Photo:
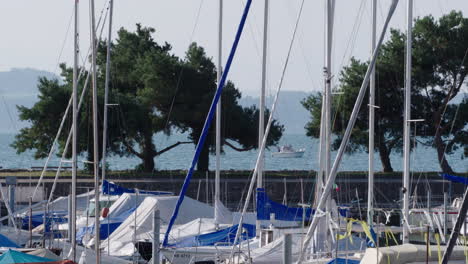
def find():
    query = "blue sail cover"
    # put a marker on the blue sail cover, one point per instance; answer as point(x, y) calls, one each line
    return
point(110, 188)
point(56, 217)
point(266, 207)
point(454, 178)
point(6, 242)
point(343, 261)
point(224, 236)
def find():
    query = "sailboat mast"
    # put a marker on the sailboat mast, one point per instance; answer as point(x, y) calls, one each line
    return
point(327, 78)
point(106, 91)
point(328, 102)
point(407, 118)
point(95, 134)
point(261, 108)
point(218, 113)
point(261, 115)
point(72, 214)
point(370, 193)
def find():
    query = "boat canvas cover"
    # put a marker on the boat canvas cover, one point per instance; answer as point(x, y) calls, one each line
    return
point(37, 219)
point(344, 261)
point(121, 239)
point(106, 228)
point(114, 189)
point(118, 212)
point(126, 202)
point(13, 256)
point(61, 203)
point(266, 207)
point(203, 226)
point(224, 236)
point(58, 210)
point(195, 227)
point(6, 242)
point(45, 253)
point(89, 255)
point(454, 178)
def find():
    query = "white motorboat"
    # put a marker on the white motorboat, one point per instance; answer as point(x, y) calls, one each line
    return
point(287, 151)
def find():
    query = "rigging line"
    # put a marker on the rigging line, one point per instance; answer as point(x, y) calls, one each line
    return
point(307, 63)
point(10, 116)
point(350, 47)
point(179, 80)
point(354, 32)
point(54, 143)
point(254, 31)
point(59, 58)
point(83, 59)
point(208, 120)
point(458, 107)
point(267, 130)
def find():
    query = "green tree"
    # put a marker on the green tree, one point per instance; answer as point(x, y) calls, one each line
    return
point(132, 122)
point(442, 66)
point(154, 90)
point(45, 118)
point(439, 71)
point(190, 102)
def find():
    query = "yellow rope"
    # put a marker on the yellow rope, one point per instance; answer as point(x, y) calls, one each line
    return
point(426, 239)
point(439, 252)
point(386, 243)
point(465, 249)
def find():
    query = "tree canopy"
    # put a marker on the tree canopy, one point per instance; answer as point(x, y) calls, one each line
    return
point(154, 91)
point(438, 74)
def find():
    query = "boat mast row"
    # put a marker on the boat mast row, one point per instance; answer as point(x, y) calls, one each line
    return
point(347, 134)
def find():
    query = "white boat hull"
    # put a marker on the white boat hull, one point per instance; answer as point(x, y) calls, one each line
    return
point(296, 154)
point(192, 255)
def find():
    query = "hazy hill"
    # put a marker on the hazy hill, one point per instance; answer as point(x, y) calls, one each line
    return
point(17, 87)
point(21, 82)
point(289, 112)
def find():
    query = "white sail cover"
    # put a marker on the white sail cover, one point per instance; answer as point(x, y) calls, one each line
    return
point(85, 254)
point(222, 214)
point(120, 242)
point(126, 201)
point(61, 203)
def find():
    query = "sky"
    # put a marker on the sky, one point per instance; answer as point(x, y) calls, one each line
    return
point(38, 34)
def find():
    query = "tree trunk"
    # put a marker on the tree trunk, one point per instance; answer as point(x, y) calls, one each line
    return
point(384, 154)
point(204, 159)
point(148, 163)
point(440, 146)
point(148, 153)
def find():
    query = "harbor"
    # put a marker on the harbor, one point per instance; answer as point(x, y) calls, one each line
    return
point(234, 132)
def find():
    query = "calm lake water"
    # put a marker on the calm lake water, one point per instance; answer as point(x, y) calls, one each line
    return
point(422, 159)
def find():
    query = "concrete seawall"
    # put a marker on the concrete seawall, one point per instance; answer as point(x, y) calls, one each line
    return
point(290, 186)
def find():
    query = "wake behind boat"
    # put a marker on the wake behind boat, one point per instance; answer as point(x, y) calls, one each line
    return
point(287, 151)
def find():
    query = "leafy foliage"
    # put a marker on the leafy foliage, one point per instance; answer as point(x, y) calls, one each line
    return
point(438, 73)
point(155, 91)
